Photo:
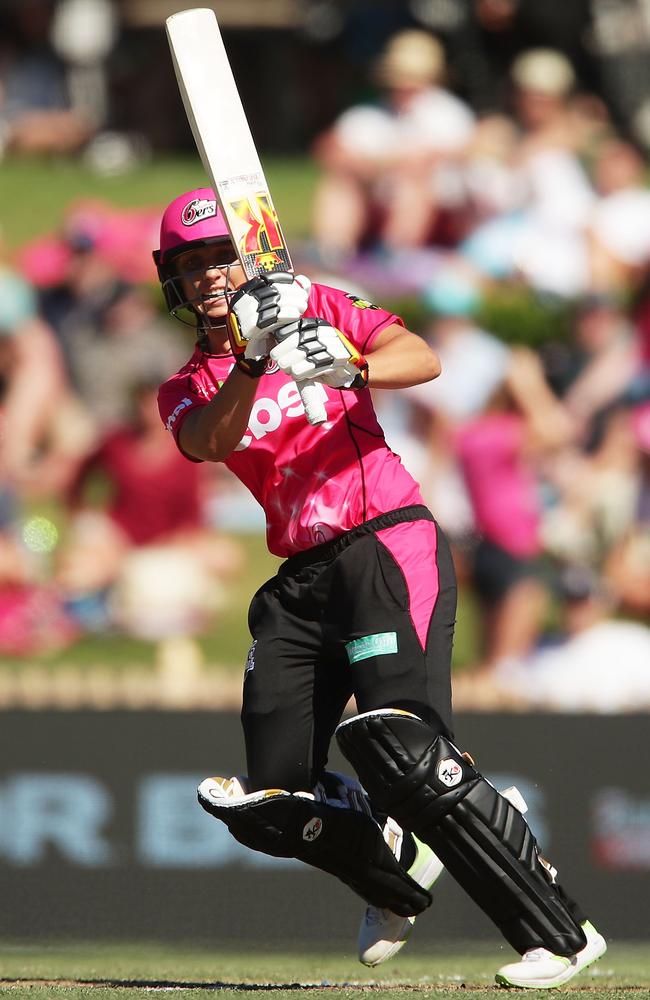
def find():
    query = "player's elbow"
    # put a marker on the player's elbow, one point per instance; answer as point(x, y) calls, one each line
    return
point(424, 358)
point(207, 446)
point(215, 449)
point(433, 365)
point(423, 365)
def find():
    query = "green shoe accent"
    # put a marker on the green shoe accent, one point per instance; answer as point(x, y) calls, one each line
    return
point(427, 867)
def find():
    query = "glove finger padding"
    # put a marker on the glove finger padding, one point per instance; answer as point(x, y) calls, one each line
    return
point(313, 349)
point(263, 304)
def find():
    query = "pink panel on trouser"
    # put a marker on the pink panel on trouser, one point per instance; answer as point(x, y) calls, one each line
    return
point(413, 546)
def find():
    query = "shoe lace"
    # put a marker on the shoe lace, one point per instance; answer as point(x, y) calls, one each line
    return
point(536, 954)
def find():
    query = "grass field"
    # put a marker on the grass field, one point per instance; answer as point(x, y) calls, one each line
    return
point(138, 970)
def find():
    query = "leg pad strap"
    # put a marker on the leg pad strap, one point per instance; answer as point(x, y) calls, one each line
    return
point(422, 780)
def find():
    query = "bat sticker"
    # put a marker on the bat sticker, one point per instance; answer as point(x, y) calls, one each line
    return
point(260, 243)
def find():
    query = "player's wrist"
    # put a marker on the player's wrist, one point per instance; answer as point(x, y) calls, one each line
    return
point(251, 355)
point(362, 377)
point(252, 368)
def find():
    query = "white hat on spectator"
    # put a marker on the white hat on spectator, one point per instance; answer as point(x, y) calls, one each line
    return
point(544, 71)
point(411, 57)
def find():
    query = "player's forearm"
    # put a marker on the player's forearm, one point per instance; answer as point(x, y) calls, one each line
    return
point(406, 361)
point(213, 432)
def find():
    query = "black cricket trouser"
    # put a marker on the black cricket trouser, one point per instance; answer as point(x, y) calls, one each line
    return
point(369, 614)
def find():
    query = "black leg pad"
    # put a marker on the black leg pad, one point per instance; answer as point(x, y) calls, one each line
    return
point(420, 778)
point(343, 842)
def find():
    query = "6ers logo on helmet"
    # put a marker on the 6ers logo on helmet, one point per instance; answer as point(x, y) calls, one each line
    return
point(198, 209)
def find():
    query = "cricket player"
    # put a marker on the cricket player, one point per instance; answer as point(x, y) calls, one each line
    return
point(363, 605)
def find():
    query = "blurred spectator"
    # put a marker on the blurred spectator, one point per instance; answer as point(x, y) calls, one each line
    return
point(142, 559)
point(473, 360)
point(551, 252)
point(386, 169)
point(497, 450)
point(602, 664)
point(493, 186)
point(474, 363)
point(599, 494)
point(33, 619)
point(627, 563)
point(32, 395)
point(119, 340)
point(619, 37)
point(33, 386)
point(36, 115)
point(620, 222)
point(109, 329)
point(496, 31)
point(607, 357)
point(542, 81)
point(96, 240)
point(532, 224)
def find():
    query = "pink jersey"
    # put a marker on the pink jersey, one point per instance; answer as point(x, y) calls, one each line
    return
point(313, 482)
point(501, 485)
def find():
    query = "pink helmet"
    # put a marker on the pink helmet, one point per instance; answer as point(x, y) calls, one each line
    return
point(193, 219)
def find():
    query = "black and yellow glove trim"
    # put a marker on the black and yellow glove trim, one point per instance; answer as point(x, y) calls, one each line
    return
point(360, 380)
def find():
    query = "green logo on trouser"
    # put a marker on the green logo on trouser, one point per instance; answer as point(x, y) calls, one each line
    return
point(372, 645)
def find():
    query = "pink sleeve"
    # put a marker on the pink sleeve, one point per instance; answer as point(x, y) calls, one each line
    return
point(176, 398)
point(361, 321)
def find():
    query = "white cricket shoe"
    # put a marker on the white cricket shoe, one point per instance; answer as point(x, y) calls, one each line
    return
point(382, 933)
point(539, 969)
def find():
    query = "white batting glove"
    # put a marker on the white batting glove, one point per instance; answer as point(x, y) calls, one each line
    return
point(263, 304)
point(312, 349)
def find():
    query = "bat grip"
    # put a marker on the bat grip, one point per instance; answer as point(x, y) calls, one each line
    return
point(312, 400)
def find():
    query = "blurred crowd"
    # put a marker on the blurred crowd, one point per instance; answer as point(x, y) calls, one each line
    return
point(126, 542)
point(533, 449)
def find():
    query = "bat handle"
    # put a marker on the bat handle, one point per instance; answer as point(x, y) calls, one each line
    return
point(311, 393)
point(312, 400)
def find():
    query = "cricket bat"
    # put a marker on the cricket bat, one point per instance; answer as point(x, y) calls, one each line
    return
point(230, 159)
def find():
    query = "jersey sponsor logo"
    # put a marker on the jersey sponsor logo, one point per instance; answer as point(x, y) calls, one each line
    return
point(267, 414)
point(360, 303)
point(449, 772)
point(312, 829)
point(173, 416)
point(380, 644)
point(197, 210)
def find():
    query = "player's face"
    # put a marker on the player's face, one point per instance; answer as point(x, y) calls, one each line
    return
point(206, 274)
